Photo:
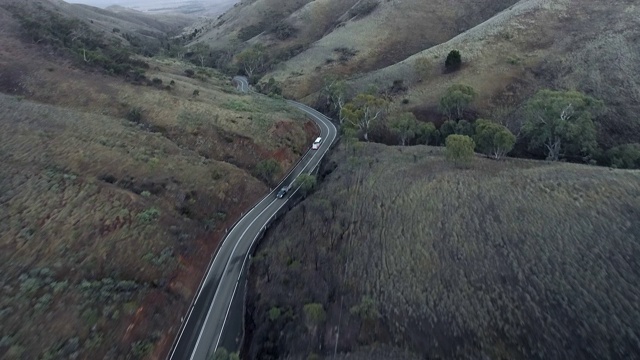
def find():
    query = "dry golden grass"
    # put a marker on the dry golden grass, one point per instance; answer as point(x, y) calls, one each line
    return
point(508, 259)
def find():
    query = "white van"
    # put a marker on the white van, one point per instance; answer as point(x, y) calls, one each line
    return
point(316, 144)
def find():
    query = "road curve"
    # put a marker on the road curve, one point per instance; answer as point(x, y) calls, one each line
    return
point(203, 326)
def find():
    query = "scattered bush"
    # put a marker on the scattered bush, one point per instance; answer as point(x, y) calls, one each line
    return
point(251, 31)
point(135, 114)
point(274, 313)
point(398, 87)
point(306, 183)
point(315, 313)
point(189, 72)
point(196, 92)
point(140, 349)
point(77, 39)
point(266, 170)
point(345, 53)
point(149, 215)
point(283, 30)
point(366, 309)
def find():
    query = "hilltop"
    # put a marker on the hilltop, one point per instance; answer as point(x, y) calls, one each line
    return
point(401, 254)
point(122, 166)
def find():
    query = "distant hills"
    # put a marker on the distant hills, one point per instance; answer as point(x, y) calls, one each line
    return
point(205, 7)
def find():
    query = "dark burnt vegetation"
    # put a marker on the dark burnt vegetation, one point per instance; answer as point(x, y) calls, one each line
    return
point(388, 250)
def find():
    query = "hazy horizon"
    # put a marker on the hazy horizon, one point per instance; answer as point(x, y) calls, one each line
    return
point(146, 4)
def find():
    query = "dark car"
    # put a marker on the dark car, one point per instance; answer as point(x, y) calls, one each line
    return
point(282, 192)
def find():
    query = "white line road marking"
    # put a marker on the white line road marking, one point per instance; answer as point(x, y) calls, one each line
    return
point(225, 270)
point(324, 122)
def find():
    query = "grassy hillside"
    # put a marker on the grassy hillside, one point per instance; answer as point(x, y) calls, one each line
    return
point(510, 50)
point(534, 45)
point(381, 32)
point(115, 192)
point(503, 260)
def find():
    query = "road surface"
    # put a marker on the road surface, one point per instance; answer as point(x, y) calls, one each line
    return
point(203, 328)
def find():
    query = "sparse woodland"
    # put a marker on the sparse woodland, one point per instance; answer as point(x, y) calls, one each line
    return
point(512, 259)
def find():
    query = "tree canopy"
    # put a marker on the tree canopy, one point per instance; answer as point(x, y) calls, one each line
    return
point(625, 156)
point(253, 60)
point(306, 183)
point(561, 123)
point(363, 110)
point(459, 148)
point(493, 139)
point(456, 100)
point(335, 91)
point(453, 61)
point(404, 126)
point(265, 170)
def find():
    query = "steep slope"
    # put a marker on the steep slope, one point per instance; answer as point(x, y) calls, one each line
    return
point(590, 46)
point(501, 260)
point(115, 191)
point(531, 45)
point(381, 32)
point(510, 49)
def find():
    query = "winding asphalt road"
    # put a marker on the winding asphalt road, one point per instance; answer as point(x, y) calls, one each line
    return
point(204, 325)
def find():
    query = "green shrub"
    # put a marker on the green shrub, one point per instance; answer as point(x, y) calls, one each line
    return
point(624, 156)
point(366, 309)
point(140, 349)
point(306, 183)
point(135, 114)
point(463, 127)
point(220, 354)
point(453, 61)
point(493, 139)
point(274, 313)
point(283, 30)
point(459, 148)
point(315, 313)
point(149, 215)
point(266, 170)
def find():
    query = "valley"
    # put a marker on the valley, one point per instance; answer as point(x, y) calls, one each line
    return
point(481, 200)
